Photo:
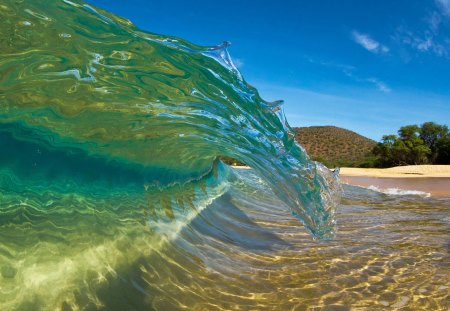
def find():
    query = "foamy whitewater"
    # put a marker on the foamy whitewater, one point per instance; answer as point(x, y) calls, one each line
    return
point(112, 194)
point(398, 191)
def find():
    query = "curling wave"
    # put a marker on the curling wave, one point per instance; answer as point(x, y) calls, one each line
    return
point(108, 130)
point(77, 78)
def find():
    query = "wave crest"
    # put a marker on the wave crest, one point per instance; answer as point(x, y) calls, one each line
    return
point(78, 78)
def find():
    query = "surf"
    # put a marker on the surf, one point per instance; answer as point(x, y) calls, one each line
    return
point(112, 136)
point(78, 77)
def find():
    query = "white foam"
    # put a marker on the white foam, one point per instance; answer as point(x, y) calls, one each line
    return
point(398, 191)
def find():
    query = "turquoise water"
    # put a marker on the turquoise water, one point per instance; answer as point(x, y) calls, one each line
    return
point(90, 102)
point(112, 194)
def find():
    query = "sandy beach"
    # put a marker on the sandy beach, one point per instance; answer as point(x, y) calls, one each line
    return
point(427, 171)
point(409, 171)
point(431, 179)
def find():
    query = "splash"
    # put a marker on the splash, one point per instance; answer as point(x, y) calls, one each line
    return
point(103, 123)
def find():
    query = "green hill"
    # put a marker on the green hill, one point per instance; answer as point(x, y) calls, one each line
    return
point(335, 146)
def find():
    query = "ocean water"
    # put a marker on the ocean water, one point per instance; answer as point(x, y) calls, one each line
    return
point(113, 197)
point(242, 250)
point(425, 186)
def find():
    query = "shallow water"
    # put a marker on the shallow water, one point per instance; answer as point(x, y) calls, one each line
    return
point(389, 252)
point(242, 251)
point(435, 186)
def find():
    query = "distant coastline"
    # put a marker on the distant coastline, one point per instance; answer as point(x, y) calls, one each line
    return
point(427, 143)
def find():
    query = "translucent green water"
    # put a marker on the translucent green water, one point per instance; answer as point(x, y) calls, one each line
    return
point(88, 101)
point(109, 140)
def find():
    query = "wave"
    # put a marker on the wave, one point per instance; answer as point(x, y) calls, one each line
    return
point(398, 191)
point(113, 137)
point(76, 77)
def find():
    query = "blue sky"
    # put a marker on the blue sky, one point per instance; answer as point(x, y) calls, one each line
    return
point(369, 66)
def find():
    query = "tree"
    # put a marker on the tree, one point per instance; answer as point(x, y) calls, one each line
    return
point(429, 143)
point(417, 151)
point(411, 148)
point(443, 147)
point(431, 133)
point(384, 151)
point(407, 148)
point(409, 132)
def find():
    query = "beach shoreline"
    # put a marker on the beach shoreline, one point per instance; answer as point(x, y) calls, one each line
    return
point(409, 171)
point(431, 179)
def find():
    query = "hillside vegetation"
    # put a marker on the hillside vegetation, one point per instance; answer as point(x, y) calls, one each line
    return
point(428, 143)
point(335, 146)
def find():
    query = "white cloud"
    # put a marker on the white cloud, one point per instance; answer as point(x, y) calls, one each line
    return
point(434, 21)
point(430, 37)
point(368, 43)
point(381, 86)
point(350, 71)
point(444, 5)
point(424, 43)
